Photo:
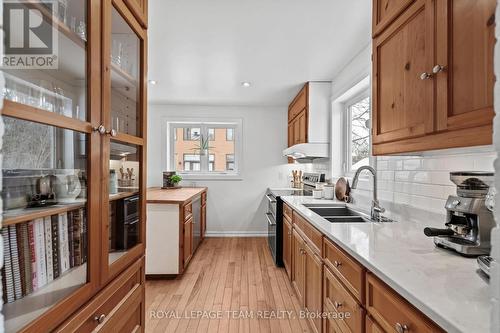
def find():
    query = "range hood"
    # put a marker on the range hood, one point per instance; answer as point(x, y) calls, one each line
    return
point(318, 129)
point(307, 151)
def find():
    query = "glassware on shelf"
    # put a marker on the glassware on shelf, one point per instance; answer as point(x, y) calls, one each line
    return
point(62, 11)
point(117, 52)
point(81, 30)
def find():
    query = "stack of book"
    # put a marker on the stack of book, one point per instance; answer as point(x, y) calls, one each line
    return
point(39, 251)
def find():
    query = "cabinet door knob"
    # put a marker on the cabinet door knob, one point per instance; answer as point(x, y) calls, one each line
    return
point(425, 76)
point(101, 129)
point(112, 132)
point(337, 304)
point(337, 263)
point(401, 328)
point(100, 318)
point(438, 68)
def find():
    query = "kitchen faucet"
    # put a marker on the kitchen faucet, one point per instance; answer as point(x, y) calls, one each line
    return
point(376, 208)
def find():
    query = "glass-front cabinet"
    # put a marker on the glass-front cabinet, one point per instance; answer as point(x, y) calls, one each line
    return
point(123, 97)
point(72, 167)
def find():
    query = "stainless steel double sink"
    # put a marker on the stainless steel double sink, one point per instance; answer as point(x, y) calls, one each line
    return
point(338, 213)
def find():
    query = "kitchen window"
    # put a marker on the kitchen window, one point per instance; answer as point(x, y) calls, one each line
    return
point(357, 125)
point(199, 149)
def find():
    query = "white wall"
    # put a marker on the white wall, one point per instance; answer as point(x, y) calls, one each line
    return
point(235, 207)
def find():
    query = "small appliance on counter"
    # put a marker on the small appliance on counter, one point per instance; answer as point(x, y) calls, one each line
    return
point(469, 220)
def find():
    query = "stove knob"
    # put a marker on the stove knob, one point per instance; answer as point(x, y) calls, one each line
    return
point(455, 202)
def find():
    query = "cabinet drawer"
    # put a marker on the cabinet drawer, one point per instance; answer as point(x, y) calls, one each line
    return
point(391, 311)
point(127, 317)
point(338, 300)
point(187, 210)
point(349, 271)
point(312, 236)
point(287, 212)
point(107, 301)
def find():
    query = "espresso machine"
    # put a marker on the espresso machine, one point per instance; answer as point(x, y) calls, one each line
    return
point(469, 216)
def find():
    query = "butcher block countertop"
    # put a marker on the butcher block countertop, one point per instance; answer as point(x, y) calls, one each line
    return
point(173, 196)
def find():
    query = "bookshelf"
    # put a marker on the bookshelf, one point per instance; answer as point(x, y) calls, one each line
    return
point(56, 174)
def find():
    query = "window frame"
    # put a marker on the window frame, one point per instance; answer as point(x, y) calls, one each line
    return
point(203, 124)
point(347, 124)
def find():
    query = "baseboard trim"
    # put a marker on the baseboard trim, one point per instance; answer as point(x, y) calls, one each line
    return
point(236, 234)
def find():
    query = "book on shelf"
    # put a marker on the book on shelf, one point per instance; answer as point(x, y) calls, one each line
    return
point(47, 221)
point(55, 246)
point(14, 254)
point(31, 239)
point(42, 250)
point(10, 295)
point(41, 262)
point(63, 243)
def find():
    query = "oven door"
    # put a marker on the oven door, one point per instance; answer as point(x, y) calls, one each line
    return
point(271, 234)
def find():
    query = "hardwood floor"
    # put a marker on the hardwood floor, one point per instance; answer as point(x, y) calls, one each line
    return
point(226, 275)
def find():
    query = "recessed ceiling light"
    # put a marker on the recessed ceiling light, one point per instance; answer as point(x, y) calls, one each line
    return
point(245, 84)
point(153, 82)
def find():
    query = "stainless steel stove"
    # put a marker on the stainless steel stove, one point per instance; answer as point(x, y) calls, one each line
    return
point(274, 214)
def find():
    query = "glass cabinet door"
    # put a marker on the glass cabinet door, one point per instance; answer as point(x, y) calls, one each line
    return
point(123, 93)
point(49, 188)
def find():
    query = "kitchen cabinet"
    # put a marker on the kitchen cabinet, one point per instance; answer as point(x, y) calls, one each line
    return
point(313, 287)
point(176, 225)
point(298, 266)
point(327, 279)
point(66, 132)
point(140, 10)
point(188, 242)
point(287, 246)
point(432, 84)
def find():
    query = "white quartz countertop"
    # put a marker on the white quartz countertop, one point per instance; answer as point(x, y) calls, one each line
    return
point(441, 284)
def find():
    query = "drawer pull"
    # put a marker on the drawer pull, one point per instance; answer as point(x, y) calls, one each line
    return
point(100, 318)
point(337, 263)
point(401, 328)
point(337, 305)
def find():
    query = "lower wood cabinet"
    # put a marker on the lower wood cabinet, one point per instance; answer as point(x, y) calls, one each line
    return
point(313, 288)
point(119, 307)
point(188, 242)
point(332, 283)
point(372, 327)
point(298, 266)
point(287, 246)
point(347, 313)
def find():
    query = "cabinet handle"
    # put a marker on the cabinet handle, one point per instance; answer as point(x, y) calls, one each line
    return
point(101, 129)
point(100, 318)
point(438, 68)
point(112, 132)
point(425, 76)
point(401, 328)
point(337, 263)
point(337, 305)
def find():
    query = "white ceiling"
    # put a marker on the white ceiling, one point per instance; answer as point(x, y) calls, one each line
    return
point(200, 51)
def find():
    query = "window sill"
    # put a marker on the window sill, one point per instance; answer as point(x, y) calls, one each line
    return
point(231, 177)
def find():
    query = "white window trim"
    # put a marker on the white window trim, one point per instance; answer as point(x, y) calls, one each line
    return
point(205, 122)
point(347, 160)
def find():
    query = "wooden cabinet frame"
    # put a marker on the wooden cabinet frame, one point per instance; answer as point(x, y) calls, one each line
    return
point(109, 272)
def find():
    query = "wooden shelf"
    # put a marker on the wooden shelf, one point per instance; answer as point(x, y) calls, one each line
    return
point(121, 195)
point(28, 214)
point(21, 312)
point(122, 77)
point(60, 26)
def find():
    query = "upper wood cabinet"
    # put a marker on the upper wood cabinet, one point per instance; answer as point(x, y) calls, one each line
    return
point(140, 10)
point(432, 75)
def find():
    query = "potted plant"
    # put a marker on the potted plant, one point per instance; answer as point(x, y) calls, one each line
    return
point(175, 180)
point(203, 146)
